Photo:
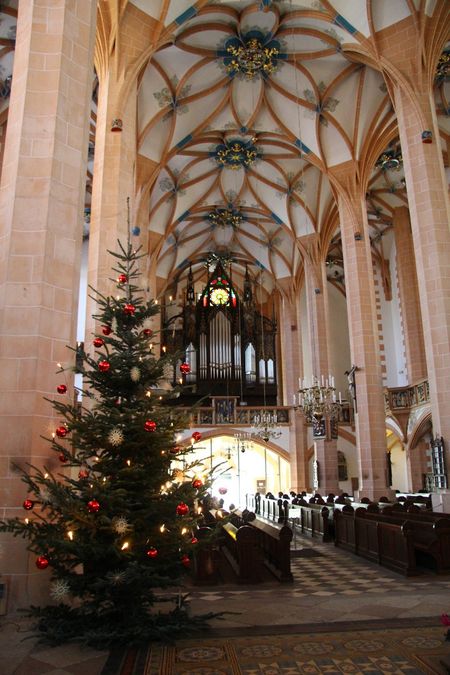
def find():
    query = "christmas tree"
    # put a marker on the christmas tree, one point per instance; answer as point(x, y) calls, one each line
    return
point(117, 524)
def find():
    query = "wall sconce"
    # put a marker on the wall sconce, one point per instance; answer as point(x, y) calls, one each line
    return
point(116, 124)
point(427, 136)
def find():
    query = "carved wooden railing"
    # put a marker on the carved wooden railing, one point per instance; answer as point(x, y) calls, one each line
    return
point(235, 416)
point(404, 398)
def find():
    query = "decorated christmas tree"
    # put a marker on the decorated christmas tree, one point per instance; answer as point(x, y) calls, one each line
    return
point(116, 524)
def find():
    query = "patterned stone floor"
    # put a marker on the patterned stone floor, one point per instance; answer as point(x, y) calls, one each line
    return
point(337, 609)
point(325, 571)
point(403, 651)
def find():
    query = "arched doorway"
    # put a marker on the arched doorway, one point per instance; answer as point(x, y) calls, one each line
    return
point(239, 469)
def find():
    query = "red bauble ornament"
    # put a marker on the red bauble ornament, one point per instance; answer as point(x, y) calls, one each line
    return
point(197, 483)
point(223, 491)
point(42, 562)
point(98, 342)
point(61, 388)
point(61, 432)
point(152, 552)
point(185, 368)
point(63, 458)
point(149, 425)
point(129, 309)
point(28, 504)
point(194, 540)
point(122, 279)
point(147, 332)
point(175, 450)
point(196, 436)
point(93, 506)
point(82, 475)
point(182, 509)
point(186, 561)
point(104, 366)
point(106, 330)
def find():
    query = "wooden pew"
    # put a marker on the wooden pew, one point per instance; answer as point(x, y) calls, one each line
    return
point(386, 543)
point(313, 519)
point(274, 542)
point(241, 548)
point(430, 533)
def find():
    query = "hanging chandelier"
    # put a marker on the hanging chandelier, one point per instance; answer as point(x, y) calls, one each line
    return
point(265, 426)
point(318, 400)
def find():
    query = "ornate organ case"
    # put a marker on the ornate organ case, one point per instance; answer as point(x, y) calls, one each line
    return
point(228, 343)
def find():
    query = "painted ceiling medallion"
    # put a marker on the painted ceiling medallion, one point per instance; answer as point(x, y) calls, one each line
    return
point(390, 160)
point(236, 153)
point(228, 217)
point(443, 67)
point(252, 55)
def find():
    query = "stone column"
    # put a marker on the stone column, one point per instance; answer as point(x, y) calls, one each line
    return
point(291, 367)
point(430, 217)
point(409, 296)
point(41, 225)
point(112, 186)
point(417, 462)
point(319, 335)
point(364, 346)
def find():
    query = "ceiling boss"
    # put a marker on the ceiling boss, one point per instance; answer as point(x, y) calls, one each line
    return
point(252, 55)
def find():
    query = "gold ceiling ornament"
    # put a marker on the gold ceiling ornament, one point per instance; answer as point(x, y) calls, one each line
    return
point(443, 67)
point(252, 59)
point(227, 217)
point(390, 160)
point(235, 153)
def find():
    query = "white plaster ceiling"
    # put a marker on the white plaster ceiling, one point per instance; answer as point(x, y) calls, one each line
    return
point(316, 110)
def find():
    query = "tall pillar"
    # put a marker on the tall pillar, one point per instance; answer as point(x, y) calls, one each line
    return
point(430, 217)
point(409, 296)
point(410, 73)
point(41, 226)
point(291, 369)
point(113, 184)
point(119, 173)
point(319, 335)
point(364, 346)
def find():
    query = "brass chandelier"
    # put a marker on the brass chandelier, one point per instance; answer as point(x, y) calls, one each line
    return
point(318, 400)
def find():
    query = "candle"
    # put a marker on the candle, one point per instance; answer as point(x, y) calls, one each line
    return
point(340, 397)
point(293, 399)
point(299, 382)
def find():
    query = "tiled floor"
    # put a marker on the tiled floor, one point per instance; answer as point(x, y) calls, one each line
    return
point(330, 586)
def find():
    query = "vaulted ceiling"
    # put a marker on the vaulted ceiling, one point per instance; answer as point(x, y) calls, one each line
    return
point(245, 109)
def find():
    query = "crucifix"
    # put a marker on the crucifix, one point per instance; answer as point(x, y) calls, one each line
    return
point(352, 385)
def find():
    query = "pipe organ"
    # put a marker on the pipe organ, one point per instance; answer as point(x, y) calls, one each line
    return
point(228, 343)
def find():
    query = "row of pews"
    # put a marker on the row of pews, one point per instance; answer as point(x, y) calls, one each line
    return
point(251, 547)
point(405, 536)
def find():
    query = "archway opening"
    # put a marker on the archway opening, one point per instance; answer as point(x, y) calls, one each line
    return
point(239, 468)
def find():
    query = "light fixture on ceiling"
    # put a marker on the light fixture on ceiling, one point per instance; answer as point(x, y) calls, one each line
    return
point(317, 398)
